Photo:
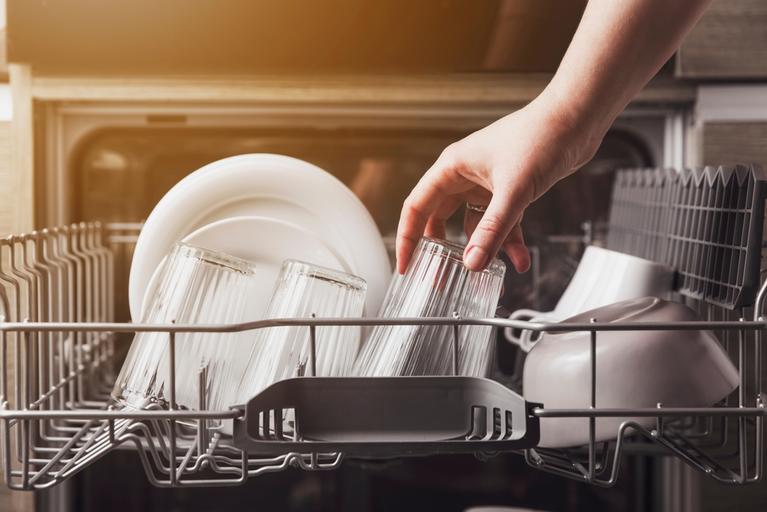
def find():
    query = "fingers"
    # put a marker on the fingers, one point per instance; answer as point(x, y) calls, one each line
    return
point(514, 245)
point(438, 194)
point(435, 226)
point(431, 195)
point(471, 218)
point(503, 213)
point(416, 210)
point(435, 229)
point(470, 221)
point(515, 248)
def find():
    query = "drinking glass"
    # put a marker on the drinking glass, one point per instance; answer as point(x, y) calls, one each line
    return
point(304, 290)
point(435, 284)
point(196, 286)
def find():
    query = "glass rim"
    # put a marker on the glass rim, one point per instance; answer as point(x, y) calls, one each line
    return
point(454, 252)
point(324, 273)
point(218, 258)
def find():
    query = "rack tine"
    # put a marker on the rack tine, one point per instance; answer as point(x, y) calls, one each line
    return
point(456, 343)
point(202, 425)
point(58, 296)
point(313, 349)
point(592, 401)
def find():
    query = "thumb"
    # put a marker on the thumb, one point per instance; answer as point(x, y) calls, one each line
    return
point(501, 216)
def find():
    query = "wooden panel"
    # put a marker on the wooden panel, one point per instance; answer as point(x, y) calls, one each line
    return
point(16, 206)
point(125, 37)
point(444, 90)
point(242, 36)
point(730, 142)
point(730, 41)
point(19, 192)
point(15, 501)
point(3, 59)
point(7, 180)
point(10, 500)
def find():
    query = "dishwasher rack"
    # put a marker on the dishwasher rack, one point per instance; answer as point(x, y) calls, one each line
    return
point(57, 349)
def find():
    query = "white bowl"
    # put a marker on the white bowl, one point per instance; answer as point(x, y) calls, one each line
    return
point(603, 277)
point(635, 369)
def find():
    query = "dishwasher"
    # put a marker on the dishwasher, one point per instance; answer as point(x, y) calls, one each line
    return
point(57, 354)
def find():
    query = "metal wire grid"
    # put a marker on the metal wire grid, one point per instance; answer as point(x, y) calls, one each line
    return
point(705, 223)
point(700, 436)
point(639, 212)
point(724, 442)
point(54, 383)
point(56, 418)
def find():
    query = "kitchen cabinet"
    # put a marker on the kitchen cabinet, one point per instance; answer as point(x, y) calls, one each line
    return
point(730, 124)
point(17, 175)
point(728, 141)
point(12, 501)
point(15, 215)
point(6, 178)
point(729, 42)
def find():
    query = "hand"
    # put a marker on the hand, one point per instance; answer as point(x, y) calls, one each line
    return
point(503, 167)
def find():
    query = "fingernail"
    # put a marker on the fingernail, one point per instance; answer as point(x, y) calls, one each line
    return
point(475, 258)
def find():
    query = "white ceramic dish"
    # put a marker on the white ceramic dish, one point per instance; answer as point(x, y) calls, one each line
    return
point(603, 277)
point(265, 242)
point(635, 369)
point(266, 185)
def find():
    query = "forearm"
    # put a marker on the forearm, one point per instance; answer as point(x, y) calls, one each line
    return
point(618, 47)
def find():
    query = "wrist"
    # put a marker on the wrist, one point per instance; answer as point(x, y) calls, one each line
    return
point(580, 128)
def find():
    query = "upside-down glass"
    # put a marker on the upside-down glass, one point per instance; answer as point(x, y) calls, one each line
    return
point(304, 290)
point(196, 286)
point(435, 284)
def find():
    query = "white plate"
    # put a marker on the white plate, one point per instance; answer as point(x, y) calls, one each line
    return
point(267, 243)
point(266, 185)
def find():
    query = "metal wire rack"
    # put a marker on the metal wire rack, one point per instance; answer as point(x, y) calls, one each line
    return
point(57, 347)
point(706, 223)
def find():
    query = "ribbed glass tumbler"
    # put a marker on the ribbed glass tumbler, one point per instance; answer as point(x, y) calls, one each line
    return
point(196, 286)
point(304, 290)
point(435, 284)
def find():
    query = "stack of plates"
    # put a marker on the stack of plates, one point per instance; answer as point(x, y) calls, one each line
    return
point(263, 208)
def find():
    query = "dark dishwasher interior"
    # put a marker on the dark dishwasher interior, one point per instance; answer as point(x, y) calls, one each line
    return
point(140, 165)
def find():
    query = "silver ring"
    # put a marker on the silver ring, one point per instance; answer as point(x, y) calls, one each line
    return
point(476, 208)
